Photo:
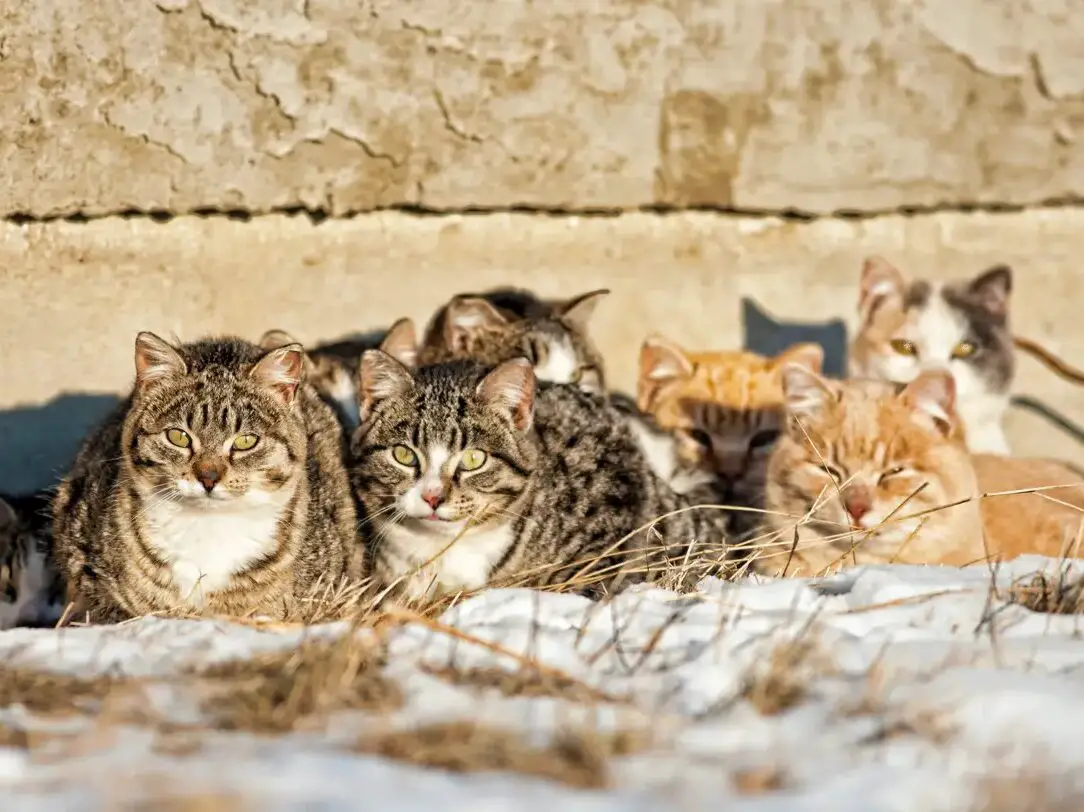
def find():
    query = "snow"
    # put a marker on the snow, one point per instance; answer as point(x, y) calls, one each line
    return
point(920, 684)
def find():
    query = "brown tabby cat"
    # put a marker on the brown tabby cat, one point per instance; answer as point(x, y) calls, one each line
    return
point(870, 474)
point(507, 323)
point(332, 367)
point(218, 485)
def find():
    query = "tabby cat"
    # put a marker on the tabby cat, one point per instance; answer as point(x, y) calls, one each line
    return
point(332, 367)
point(218, 485)
point(31, 588)
point(507, 323)
point(475, 476)
point(963, 326)
point(871, 473)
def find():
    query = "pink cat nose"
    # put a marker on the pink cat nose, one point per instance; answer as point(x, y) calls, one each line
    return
point(857, 505)
point(433, 499)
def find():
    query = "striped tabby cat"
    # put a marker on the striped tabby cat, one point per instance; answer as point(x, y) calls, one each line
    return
point(31, 587)
point(217, 485)
point(473, 477)
point(507, 323)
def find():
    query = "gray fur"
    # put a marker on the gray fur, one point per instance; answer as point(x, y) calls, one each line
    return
point(564, 481)
point(979, 303)
point(32, 590)
point(214, 390)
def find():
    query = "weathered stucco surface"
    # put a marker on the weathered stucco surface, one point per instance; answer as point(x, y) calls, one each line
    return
point(82, 291)
point(817, 105)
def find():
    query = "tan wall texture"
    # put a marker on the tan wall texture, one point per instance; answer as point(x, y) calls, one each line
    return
point(344, 106)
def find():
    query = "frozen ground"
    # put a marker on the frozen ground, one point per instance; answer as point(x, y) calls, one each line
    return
point(908, 689)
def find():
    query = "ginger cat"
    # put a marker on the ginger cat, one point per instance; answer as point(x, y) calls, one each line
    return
point(874, 475)
point(724, 409)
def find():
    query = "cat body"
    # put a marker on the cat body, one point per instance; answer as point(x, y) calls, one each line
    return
point(507, 323)
point(217, 486)
point(32, 590)
point(475, 476)
point(908, 326)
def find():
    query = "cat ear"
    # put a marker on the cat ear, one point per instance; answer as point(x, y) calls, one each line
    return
point(466, 315)
point(510, 389)
point(992, 288)
point(380, 376)
point(578, 310)
point(880, 280)
point(156, 360)
point(810, 356)
point(273, 339)
point(661, 361)
point(933, 395)
point(281, 371)
point(7, 514)
point(806, 394)
point(401, 343)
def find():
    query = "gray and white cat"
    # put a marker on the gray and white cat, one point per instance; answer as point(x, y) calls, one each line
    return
point(909, 326)
point(31, 587)
point(473, 476)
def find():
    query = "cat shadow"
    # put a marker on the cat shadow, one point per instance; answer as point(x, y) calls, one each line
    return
point(38, 443)
point(766, 335)
point(1049, 414)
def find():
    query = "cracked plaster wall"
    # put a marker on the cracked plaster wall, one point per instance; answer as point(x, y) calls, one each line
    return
point(817, 105)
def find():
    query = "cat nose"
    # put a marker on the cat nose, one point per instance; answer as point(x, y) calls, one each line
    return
point(857, 504)
point(208, 476)
point(433, 499)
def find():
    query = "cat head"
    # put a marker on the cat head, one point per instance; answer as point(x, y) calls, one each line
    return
point(31, 589)
point(724, 408)
point(857, 453)
point(906, 326)
point(444, 445)
point(216, 422)
point(504, 324)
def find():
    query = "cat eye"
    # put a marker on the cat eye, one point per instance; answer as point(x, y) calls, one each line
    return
point(965, 349)
point(904, 347)
point(403, 455)
point(577, 376)
point(764, 438)
point(699, 436)
point(179, 438)
point(832, 471)
point(890, 473)
point(243, 442)
point(472, 459)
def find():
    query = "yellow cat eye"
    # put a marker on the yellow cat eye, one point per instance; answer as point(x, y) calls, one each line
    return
point(179, 438)
point(904, 347)
point(472, 459)
point(243, 442)
point(403, 455)
point(577, 376)
point(965, 349)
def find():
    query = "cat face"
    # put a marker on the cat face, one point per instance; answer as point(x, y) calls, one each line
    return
point(725, 408)
point(858, 455)
point(910, 326)
point(31, 589)
point(443, 446)
point(214, 424)
point(505, 324)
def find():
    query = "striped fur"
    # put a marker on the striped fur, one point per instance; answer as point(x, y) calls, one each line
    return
point(137, 532)
point(564, 481)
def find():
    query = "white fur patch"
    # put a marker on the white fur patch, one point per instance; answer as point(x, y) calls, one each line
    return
point(411, 502)
point(561, 363)
point(344, 393)
point(206, 546)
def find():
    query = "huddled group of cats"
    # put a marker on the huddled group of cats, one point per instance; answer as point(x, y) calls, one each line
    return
point(240, 478)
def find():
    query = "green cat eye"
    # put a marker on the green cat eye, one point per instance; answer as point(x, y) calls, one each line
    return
point(904, 347)
point(403, 455)
point(472, 459)
point(179, 438)
point(965, 349)
point(243, 442)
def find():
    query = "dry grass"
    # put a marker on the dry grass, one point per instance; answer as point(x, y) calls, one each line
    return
point(1062, 594)
point(1027, 791)
point(162, 800)
point(279, 692)
point(525, 681)
point(55, 694)
point(759, 780)
point(782, 681)
point(577, 758)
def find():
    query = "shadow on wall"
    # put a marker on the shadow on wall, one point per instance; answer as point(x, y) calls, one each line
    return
point(38, 443)
point(1050, 415)
point(767, 335)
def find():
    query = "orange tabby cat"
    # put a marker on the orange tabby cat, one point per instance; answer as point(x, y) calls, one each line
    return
point(725, 409)
point(869, 474)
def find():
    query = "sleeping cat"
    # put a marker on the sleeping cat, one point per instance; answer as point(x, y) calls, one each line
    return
point(724, 408)
point(474, 476)
point(332, 367)
point(963, 326)
point(217, 485)
point(31, 587)
point(507, 323)
point(873, 474)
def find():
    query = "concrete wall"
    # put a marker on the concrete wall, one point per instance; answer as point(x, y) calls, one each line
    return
point(751, 107)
